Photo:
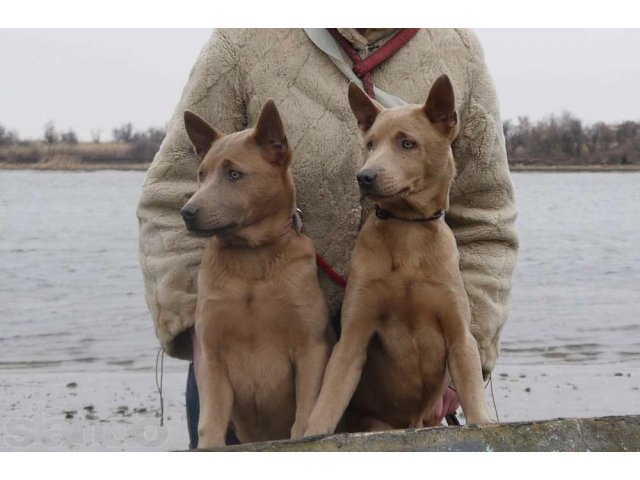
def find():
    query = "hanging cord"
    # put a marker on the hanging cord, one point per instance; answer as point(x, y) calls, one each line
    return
point(452, 419)
point(160, 360)
point(493, 398)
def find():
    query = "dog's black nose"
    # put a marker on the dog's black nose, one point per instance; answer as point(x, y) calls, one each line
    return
point(188, 213)
point(366, 177)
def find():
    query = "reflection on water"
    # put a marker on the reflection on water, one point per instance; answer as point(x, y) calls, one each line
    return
point(71, 293)
point(576, 295)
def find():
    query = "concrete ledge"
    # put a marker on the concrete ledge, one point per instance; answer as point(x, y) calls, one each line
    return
point(564, 435)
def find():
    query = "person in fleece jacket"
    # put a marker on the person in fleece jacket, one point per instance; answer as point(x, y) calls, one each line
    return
point(306, 73)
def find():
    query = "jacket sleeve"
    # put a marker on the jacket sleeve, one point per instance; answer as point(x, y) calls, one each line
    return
point(482, 211)
point(169, 257)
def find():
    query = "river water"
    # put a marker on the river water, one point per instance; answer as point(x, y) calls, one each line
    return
point(72, 302)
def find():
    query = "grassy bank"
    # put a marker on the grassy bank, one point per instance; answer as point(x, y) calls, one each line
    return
point(75, 166)
point(81, 156)
point(136, 156)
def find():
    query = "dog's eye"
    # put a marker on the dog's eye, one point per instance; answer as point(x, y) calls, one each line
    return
point(408, 144)
point(233, 175)
point(369, 144)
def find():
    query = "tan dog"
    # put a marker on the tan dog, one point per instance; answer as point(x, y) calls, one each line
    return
point(406, 315)
point(261, 318)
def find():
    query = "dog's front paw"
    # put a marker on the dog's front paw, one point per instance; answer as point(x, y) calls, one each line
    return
point(297, 431)
point(209, 445)
point(479, 420)
point(209, 442)
point(316, 429)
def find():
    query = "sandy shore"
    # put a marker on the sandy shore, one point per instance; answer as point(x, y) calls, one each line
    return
point(91, 412)
point(112, 411)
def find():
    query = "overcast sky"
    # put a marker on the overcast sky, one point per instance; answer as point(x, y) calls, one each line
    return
point(98, 79)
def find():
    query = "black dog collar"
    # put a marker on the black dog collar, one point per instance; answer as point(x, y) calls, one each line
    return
point(385, 214)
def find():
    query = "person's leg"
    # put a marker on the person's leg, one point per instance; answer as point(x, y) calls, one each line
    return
point(193, 408)
point(335, 323)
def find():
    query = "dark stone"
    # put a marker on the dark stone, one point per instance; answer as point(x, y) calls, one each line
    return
point(614, 434)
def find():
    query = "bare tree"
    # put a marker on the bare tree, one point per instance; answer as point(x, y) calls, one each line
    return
point(124, 133)
point(156, 135)
point(564, 140)
point(50, 134)
point(12, 137)
point(69, 137)
point(147, 143)
point(8, 137)
point(95, 135)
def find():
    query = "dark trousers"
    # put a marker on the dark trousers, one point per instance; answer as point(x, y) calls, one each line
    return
point(193, 402)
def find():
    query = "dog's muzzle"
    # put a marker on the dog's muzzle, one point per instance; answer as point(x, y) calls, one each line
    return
point(366, 177)
point(189, 214)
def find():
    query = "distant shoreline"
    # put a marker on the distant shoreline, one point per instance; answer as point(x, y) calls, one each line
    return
point(574, 168)
point(80, 156)
point(78, 167)
point(134, 166)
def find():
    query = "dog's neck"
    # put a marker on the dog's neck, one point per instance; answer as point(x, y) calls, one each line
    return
point(383, 214)
point(416, 244)
point(254, 251)
point(412, 244)
point(263, 233)
point(419, 205)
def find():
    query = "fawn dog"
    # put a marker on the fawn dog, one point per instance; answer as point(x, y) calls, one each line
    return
point(406, 315)
point(261, 318)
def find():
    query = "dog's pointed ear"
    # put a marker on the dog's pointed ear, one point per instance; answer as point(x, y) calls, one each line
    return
point(269, 131)
point(362, 107)
point(200, 133)
point(441, 106)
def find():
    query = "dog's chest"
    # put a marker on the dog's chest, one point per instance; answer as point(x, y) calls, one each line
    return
point(405, 367)
point(250, 315)
point(406, 315)
point(254, 329)
point(406, 355)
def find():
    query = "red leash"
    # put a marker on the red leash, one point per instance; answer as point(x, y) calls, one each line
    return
point(362, 67)
point(331, 273)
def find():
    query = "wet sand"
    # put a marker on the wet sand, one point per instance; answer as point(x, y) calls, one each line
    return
point(91, 412)
point(121, 411)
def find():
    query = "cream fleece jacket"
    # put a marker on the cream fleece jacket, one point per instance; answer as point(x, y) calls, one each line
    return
point(239, 70)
